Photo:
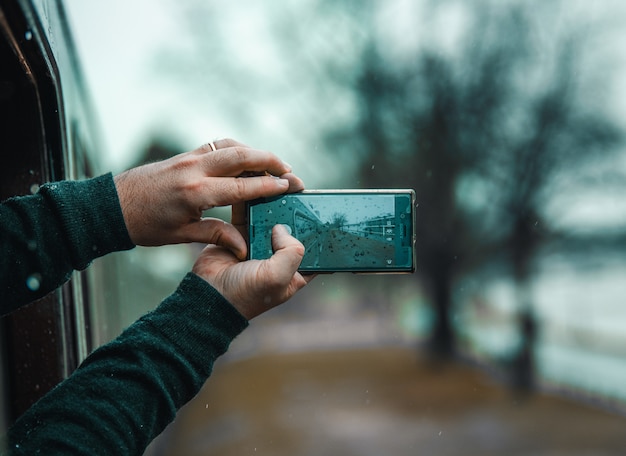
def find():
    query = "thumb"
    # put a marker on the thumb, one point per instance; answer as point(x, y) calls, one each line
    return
point(288, 251)
point(218, 232)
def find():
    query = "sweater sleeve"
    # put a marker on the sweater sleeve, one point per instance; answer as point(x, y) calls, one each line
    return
point(127, 391)
point(44, 237)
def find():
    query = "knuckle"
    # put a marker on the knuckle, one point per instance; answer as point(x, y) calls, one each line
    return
point(190, 188)
point(299, 249)
point(266, 185)
point(204, 148)
point(217, 234)
point(241, 187)
point(241, 154)
point(185, 161)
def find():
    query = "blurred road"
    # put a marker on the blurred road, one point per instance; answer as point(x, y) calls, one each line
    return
point(379, 402)
point(332, 247)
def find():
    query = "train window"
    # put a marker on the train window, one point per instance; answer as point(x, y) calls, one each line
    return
point(39, 341)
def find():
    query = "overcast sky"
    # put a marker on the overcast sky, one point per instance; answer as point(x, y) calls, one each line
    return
point(119, 42)
point(116, 41)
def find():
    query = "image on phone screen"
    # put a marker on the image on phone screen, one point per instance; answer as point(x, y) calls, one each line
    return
point(357, 231)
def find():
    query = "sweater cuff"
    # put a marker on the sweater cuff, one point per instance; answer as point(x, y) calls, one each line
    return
point(199, 321)
point(92, 217)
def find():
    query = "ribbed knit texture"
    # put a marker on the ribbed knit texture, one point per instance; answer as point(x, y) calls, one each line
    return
point(127, 391)
point(44, 237)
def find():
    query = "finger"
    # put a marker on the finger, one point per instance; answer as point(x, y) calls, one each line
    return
point(218, 232)
point(295, 183)
point(228, 142)
point(239, 216)
point(288, 253)
point(219, 144)
point(231, 190)
point(308, 277)
point(233, 161)
point(213, 259)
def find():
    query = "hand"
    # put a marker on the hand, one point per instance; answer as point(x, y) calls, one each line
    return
point(162, 202)
point(255, 286)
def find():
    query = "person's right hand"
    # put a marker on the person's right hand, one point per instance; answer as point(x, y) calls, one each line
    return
point(162, 202)
point(255, 286)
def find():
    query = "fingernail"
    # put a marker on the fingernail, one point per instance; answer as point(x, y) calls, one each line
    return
point(283, 182)
point(287, 228)
point(287, 165)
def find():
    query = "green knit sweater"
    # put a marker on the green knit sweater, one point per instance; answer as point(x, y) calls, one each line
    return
point(126, 392)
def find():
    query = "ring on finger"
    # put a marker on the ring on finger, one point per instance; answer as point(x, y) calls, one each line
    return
point(212, 146)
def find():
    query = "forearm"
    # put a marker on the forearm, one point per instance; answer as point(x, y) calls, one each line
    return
point(44, 237)
point(126, 392)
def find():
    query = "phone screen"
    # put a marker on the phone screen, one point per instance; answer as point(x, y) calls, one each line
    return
point(342, 230)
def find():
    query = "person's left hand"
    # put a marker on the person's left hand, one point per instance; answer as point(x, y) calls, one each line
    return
point(162, 202)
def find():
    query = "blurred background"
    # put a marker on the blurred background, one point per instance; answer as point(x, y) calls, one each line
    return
point(506, 117)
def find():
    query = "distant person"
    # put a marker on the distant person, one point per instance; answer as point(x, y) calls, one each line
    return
point(126, 392)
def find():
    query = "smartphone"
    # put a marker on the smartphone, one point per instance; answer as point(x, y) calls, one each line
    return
point(342, 230)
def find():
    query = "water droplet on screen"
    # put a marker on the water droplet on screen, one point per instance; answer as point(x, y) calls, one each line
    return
point(33, 282)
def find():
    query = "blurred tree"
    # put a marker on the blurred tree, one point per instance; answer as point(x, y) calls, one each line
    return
point(479, 106)
point(479, 133)
point(159, 147)
point(338, 220)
